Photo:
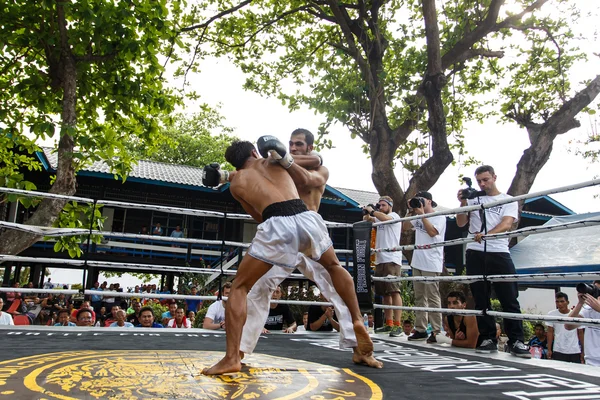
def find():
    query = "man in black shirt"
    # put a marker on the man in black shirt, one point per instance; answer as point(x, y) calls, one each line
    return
point(322, 318)
point(278, 315)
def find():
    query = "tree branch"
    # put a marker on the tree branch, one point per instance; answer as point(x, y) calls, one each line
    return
point(216, 17)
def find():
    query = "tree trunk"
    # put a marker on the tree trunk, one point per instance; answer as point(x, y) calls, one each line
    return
point(14, 242)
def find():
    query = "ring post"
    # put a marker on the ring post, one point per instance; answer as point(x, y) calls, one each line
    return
point(361, 251)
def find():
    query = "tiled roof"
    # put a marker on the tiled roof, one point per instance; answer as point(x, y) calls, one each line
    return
point(362, 197)
point(151, 170)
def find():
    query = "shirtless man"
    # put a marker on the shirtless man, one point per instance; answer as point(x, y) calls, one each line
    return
point(268, 193)
point(310, 178)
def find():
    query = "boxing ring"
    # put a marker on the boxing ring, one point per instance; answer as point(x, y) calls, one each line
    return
point(39, 362)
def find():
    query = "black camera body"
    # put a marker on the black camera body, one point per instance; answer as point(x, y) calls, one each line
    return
point(373, 206)
point(592, 290)
point(469, 193)
point(416, 202)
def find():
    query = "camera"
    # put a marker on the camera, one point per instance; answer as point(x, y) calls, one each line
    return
point(416, 202)
point(592, 290)
point(470, 193)
point(373, 206)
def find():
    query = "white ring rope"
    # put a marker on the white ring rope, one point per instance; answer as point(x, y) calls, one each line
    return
point(125, 266)
point(465, 209)
point(554, 276)
point(526, 317)
point(531, 230)
point(65, 232)
point(167, 209)
point(28, 290)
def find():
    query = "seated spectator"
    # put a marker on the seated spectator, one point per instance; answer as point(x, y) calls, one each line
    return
point(5, 318)
point(61, 303)
point(180, 321)
point(538, 344)
point(64, 319)
point(279, 316)
point(322, 318)
point(407, 327)
point(147, 319)
point(302, 328)
point(462, 329)
point(112, 317)
point(167, 315)
point(133, 317)
point(120, 322)
point(47, 308)
point(84, 317)
point(215, 315)
point(191, 317)
point(84, 305)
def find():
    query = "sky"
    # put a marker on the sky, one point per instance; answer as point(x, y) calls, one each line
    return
point(499, 145)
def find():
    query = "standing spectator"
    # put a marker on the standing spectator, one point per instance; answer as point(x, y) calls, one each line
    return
point(563, 344)
point(147, 319)
point(588, 307)
point(134, 316)
point(426, 262)
point(96, 298)
point(144, 230)
point(5, 318)
point(121, 322)
point(215, 315)
point(387, 263)
point(192, 304)
point(180, 321)
point(158, 230)
point(492, 258)
point(108, 301)
point(538, 344)
point(322, 318)
point(279, 315)
point(48, 284)
point(63, 319)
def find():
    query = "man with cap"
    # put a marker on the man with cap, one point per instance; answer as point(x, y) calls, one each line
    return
point(426, 262)
point(387, 263)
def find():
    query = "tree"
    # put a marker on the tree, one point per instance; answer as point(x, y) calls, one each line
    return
point(364, 64)
point(87, 73)
point(192, 140)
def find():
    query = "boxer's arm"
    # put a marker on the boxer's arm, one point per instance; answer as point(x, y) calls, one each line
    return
point(308, 161)
point(308, 178)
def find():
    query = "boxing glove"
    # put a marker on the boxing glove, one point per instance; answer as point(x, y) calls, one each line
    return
point(271, 146)
point(212, 175)
point(316, 153)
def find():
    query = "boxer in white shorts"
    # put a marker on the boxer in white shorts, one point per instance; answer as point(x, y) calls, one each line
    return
point(268, 193)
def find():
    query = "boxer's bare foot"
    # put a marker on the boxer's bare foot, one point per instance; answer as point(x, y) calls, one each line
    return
point(224, 366)
point(370, 361)
point(365, 345)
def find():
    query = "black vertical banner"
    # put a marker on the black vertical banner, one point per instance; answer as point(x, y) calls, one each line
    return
point(362, 264)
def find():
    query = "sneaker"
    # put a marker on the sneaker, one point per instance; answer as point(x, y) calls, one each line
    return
point(431, 338)
point(418, 336)
point(487, 346)
point(396, 331)
point(520, 349)
point(384, 329)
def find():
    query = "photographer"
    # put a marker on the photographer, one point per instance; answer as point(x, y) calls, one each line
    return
point(429, 262)
point(588, 307)
point(492, 258)
point(387, 263)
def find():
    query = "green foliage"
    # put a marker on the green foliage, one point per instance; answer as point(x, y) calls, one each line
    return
point(78, 216)
point(158, 310)
point(106, 54)
point(295, 293)
point(362, 64)
point(195, 140)
point(528, 326)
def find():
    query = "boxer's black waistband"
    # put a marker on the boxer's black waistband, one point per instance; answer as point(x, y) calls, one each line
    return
point(284, 209)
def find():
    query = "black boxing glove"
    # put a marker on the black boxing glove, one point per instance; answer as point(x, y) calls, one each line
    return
point(212, 175)
point(271, 146)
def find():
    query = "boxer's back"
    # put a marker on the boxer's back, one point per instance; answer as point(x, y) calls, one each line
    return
point(261, 183)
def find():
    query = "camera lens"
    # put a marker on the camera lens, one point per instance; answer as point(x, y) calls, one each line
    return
point(415, 202)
